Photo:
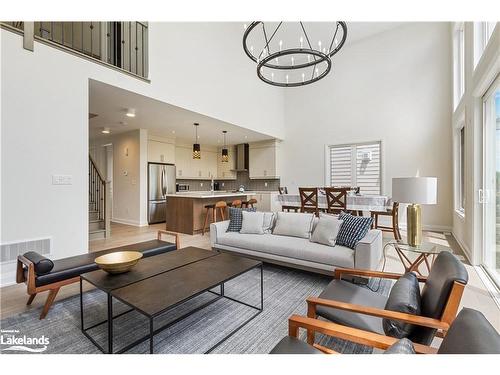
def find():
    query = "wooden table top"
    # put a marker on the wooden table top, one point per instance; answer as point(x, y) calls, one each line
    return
point(159, 293)
point(147, 267)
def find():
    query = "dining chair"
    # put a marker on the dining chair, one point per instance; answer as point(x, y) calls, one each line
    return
point(283, 190)
point(286, 207)
point(309, 200)
point(394, 214)
point(336, 199)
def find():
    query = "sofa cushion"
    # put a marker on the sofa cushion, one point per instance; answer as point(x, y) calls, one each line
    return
point(41, 264)
point(67, 268)
point(326, 230)
point(292, 345)
point(293, 224)
point(353, 229)
point(292, 247)
point(253, 223)
point(236, 218)
point(405, 298)
point(344, 291)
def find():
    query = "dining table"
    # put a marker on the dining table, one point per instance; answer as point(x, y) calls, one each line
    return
point(360, 202)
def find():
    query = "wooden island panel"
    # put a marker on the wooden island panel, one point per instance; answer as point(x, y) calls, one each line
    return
point(186, 214)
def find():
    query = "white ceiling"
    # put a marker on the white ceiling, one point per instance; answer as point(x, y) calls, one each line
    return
point(162, 119)
point(110, 104)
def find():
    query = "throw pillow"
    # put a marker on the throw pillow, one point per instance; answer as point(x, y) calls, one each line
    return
point(269, 217)
point(42, 265)
point(253, 223)
point(293, 224)
point(404, 297)
point(326, 230)
point(236, 218)
point(353, 229)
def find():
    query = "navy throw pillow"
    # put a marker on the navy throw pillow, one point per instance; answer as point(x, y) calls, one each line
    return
point(236, 218)
point(352, 230)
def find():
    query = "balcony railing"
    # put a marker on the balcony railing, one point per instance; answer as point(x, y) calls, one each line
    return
point(121, 44)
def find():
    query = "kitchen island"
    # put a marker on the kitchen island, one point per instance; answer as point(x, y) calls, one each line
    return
point(186, 212)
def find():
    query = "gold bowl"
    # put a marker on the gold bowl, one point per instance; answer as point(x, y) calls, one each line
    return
point(118, 262)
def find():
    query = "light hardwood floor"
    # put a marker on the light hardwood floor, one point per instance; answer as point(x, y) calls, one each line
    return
point(13, 298)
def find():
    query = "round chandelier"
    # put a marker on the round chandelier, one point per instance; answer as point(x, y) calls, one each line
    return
point(289, 56)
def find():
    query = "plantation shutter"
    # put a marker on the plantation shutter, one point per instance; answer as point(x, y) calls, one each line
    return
point(356, 165)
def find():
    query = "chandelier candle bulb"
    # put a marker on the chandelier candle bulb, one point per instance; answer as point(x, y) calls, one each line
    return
point(303, 77)
point(281, 45)
point(301, 40)
point(293, 61)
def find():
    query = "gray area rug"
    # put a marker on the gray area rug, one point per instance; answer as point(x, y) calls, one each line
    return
point(285, 292)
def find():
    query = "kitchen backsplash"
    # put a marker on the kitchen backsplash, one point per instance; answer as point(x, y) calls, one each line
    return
point(241, 179)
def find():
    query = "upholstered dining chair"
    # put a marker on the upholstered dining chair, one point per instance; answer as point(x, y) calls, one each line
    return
point(336, 199)
point(469, 333)
point(348, 304)
point(309, 200)
point(394, 214)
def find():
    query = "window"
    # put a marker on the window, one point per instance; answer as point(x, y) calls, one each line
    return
point(355, 165)
point(458, 64)
point(460, 174)
point(482, 34)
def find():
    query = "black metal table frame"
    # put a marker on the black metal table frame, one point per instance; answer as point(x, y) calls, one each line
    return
point(152, 331)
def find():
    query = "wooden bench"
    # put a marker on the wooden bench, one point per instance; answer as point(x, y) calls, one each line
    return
point(68, 270)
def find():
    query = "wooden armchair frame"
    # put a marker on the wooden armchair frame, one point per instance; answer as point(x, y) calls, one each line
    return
point(29, 278)
point(346, 333)
point(442, 324)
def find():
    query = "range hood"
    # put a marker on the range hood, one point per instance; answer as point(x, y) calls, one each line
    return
point(241, 157)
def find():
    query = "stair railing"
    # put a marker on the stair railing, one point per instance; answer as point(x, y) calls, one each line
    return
point(97, 190)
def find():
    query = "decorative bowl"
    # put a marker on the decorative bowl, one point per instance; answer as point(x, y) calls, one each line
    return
point(118, 262)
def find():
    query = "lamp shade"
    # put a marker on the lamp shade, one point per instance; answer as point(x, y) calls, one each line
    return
point(419, 190)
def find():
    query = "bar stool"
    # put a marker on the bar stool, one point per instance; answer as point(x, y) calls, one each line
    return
point(219, 206)
point(250, 203)
point(236, 203)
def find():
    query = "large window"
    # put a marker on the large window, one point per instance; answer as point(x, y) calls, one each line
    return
point(460, 173)
point(355, 165)
point(482, 34)
point(458, 64)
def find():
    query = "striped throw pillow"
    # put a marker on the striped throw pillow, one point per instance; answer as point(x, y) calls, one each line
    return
point(352, 230)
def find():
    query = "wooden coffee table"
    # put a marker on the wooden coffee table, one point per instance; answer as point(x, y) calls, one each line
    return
point(160, 283)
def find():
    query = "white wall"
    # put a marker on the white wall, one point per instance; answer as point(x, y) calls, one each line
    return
point(392, 87)
point(44, 118)
point(129, 179)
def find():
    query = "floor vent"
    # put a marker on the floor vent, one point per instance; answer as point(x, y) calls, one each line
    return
point(10, 251)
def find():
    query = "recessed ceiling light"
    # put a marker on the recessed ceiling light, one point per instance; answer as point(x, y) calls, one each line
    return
point(123, 123)
point(130, 112)
point(173, 131)
point(105, 131)
point(246, 137)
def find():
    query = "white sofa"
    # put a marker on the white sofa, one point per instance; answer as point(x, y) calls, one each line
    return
point(298, 252)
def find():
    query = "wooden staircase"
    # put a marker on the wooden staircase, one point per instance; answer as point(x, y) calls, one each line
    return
point(98, 217)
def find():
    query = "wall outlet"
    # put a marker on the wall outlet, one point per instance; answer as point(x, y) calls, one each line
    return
point(62, 179)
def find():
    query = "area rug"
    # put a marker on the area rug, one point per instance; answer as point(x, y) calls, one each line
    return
point(285, 292)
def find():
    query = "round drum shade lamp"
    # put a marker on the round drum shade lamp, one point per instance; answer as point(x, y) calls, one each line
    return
point(415, 191)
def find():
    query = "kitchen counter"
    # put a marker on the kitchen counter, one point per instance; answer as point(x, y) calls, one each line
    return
point(186, 212)
point(207, 194)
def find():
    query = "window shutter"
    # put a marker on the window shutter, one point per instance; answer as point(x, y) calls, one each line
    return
point(368, 168)
point(341, 166)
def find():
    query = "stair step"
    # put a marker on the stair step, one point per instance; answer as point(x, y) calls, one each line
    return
point(96, 225)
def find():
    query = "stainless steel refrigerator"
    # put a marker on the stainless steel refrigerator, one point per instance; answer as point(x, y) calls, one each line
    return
point(161, 181)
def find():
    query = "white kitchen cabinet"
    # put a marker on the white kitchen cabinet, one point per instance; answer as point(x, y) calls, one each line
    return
point(189, 168)
point(225, 171)
point(266, 201)
point(161, 152)
point(264, 160)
